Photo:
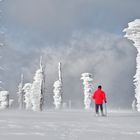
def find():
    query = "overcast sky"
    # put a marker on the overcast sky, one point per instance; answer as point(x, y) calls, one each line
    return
point(85, 35)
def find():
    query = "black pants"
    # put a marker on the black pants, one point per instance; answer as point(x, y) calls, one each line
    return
point(97, 108)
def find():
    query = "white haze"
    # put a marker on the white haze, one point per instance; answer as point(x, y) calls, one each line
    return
point(84, 35)
point(105, 56)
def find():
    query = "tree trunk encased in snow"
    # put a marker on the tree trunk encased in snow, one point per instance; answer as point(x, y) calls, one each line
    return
point(58, 99)
point(133, 33)
point(4, 99)
point(27, 96)
point(88, 88)
point(20, 94)
point(57, 94)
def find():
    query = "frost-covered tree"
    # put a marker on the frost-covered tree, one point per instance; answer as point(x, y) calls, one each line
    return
point(88, 88)
point(133, 33)
point(27, 95)
point(4, 99)
point(20, 94)
point(58, 99)
point(37, 89)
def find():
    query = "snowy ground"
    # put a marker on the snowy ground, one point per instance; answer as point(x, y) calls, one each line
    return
point(69, 125)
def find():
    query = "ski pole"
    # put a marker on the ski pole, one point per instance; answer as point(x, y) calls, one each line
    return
point(105, 109)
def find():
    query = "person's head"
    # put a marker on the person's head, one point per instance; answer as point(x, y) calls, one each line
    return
point(100, 87)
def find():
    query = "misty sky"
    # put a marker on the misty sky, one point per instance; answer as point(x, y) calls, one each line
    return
point(85, 35)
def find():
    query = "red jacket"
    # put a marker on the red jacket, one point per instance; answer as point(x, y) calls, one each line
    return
point(99, 96)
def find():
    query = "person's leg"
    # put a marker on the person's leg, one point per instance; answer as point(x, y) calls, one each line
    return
point(97, 109)
point(101, 108)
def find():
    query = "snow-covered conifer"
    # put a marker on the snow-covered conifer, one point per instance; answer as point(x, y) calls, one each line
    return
point(37, 89)
point(58, 89)
point(4, 99)
point(88, 88)
point(133, 33)
point(27, 95)
point(20, 94)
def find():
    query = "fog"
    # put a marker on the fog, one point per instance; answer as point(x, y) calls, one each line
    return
point(86, 36)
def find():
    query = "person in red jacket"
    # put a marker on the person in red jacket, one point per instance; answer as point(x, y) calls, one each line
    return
point(99, 96)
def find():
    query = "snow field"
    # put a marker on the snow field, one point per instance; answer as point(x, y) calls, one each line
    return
point(69, 125)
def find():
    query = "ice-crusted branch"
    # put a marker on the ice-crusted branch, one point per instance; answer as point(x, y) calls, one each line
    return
point(133, 33)
point(88, 88)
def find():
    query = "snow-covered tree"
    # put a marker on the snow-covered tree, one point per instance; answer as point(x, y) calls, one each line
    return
point(4, 99)
point(88, 88)
point(37, 89)
point(133, 33)
point(27, 95)
point(20, 94)
point(58, 89)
